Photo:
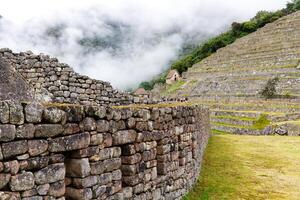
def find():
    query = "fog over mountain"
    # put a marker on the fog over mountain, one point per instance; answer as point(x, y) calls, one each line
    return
point(124, 42)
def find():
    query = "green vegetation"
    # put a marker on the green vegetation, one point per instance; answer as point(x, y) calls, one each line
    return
point(249, 167)
point(269, 91)
point(238, 30)
point(261, 122)
point(235, 117)
point(197, 53)
point(171, 89)
point(258, 124)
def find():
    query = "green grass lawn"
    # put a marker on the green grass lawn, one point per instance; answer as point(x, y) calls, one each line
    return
point(249, 167)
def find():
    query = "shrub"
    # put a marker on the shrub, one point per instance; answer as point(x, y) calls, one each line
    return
point(269, 91)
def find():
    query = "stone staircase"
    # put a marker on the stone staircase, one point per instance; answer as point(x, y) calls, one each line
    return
point(229, 81)
point(255, 117)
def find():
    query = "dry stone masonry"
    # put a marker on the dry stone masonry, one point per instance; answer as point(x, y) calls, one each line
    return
point(57, 82)
point(96, 152)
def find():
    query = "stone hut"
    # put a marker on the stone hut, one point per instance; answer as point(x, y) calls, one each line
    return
point(173, 76)
point(141, 92)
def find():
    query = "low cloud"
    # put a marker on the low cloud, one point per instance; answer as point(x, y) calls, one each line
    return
point(124, 42)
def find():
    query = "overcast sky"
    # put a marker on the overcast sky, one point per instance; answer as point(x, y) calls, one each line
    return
point(152, 31)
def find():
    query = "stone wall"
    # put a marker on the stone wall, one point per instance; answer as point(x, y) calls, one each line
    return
point(57, 82)
point(96, 152)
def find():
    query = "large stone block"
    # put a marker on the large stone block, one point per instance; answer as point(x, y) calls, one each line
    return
point(68, 143)
point(54, 115)
point(85, 182)
point(105, 166)
point(124, 137)
point(4, 179)
point(57, 189)
point(4, 112)
point(7, 132)
point(48, 130)
point(88, 124)
point(102, 126)
point(33, 112)
point(78, 167)
point(16, 115)
point(25, 131)
point(22, 182)
point(37, 147)
point(79, 194)
point(11, 149)
point(50, 174)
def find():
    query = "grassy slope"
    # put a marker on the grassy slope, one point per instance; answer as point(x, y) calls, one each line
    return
point(249, 167)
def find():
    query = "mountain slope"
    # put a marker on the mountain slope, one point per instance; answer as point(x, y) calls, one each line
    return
point(243, 68)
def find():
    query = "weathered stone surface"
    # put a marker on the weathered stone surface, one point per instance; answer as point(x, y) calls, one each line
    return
point(57, 189)
point(11, 149)
point(4, 112)
point(29, 193)
point(71, 128)
point(107, 153)
point(105, 178)
point(37, 147)
point(131, 159)
point(16, 115)
point(88, 124)
point(105, 166)
point(98, 190)
point(68, 143)
point(50, 174)
point(7, 132)
point(48, 130)
point(36, 163)
point(78, 167)
point(54, 115)
point(12, 167)
point(124, 137)
point(97, 139)
point(10, 196)
point(4, 179)
point(43, 189)
point(21, 182)
point(33, 112)
point(73, 193)
point(85, 182)
point(25, 131)
point(83, 153)
point(102, 126)
point(100, 112)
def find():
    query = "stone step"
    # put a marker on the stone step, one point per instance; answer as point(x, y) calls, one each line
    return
point(237, 120)
point(235, 129)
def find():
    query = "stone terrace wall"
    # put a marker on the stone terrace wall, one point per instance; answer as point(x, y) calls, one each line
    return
point(57, 82)
point(94, 152)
